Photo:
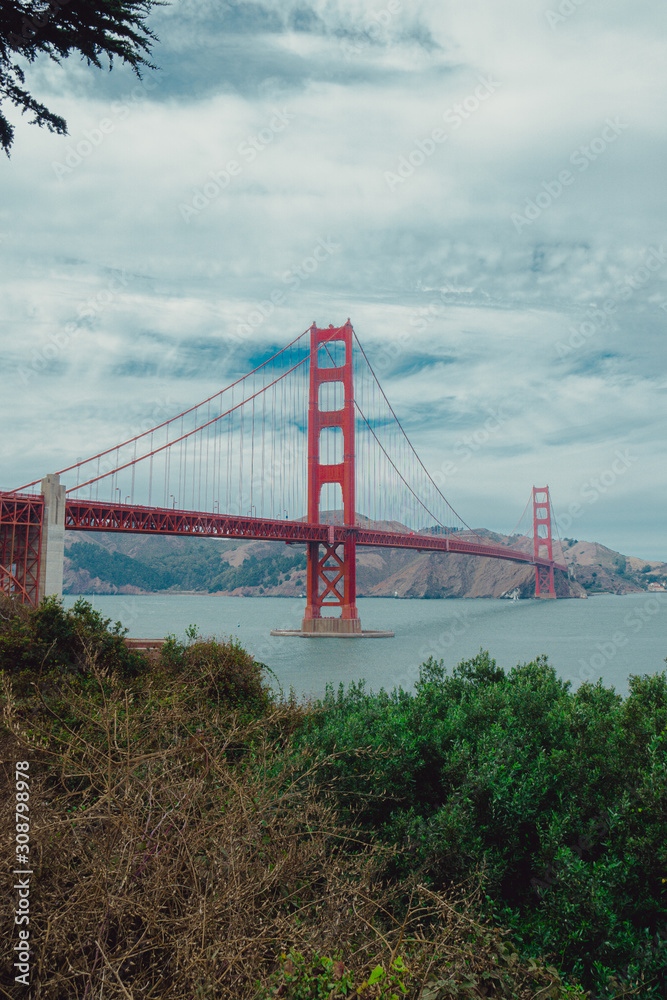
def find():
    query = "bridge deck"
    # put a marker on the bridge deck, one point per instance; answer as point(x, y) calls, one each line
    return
point(93, 515)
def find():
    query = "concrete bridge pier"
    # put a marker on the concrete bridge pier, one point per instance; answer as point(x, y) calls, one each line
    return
point(52, 559)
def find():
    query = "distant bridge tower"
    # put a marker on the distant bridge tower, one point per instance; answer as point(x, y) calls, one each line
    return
point(544, 575)
point(331, 579)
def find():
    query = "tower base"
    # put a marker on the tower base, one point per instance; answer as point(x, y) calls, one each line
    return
point(328, 626)
point(332, 628)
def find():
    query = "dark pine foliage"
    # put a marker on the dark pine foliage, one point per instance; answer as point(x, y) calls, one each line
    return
point(60, 28)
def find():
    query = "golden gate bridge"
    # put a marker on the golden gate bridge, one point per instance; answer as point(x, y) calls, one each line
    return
point(308, 430)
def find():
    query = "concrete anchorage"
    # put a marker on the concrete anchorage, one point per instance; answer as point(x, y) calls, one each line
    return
point(52, 559)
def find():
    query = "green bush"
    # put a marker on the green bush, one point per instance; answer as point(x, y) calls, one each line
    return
point(51, 642)
point(161, 785)
point(223, 672)
point(559, 796)
point(324, 978)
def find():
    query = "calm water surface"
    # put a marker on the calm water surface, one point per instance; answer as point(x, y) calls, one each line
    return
point(604, 637)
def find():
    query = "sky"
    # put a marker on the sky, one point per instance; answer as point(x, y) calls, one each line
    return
point(480, 186)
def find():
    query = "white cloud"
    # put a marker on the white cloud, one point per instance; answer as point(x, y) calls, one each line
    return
point(462, 310)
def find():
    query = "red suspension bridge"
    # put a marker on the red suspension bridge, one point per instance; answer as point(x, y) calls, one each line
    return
point(308, 430)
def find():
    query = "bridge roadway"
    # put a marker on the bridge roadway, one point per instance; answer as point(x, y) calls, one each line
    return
point(95, 515)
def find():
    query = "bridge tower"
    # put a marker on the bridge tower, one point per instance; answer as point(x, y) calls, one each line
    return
point(331, 579)
point(544, 575)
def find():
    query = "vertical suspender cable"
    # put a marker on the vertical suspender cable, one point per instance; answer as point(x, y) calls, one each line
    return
point(185, 476)
point(208, 446)
point(217, 432)
point(252, 444)
point(282, 444)
point(150, 473)
point(180, 467)
point(273, 446)
point(167, 470)
point(242, 409)
point(230, 442)
point(293, 442)
point(263, 444)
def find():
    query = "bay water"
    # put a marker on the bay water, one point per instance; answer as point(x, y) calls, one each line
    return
point(606, 636)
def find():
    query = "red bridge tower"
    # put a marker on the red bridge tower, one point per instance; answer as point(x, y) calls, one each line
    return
point(544, 575)
point(331, 580)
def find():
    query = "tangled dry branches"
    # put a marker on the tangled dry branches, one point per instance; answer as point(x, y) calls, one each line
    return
point(178, 852)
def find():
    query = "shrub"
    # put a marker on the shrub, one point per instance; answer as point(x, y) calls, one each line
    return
point(561, 796)
point(53, 642)
point(166, 869)
point(223, 672)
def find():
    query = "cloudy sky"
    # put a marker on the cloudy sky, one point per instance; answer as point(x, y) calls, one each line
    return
point(484, 182)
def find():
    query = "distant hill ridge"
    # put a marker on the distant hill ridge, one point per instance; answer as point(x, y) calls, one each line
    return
point(99, 563)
